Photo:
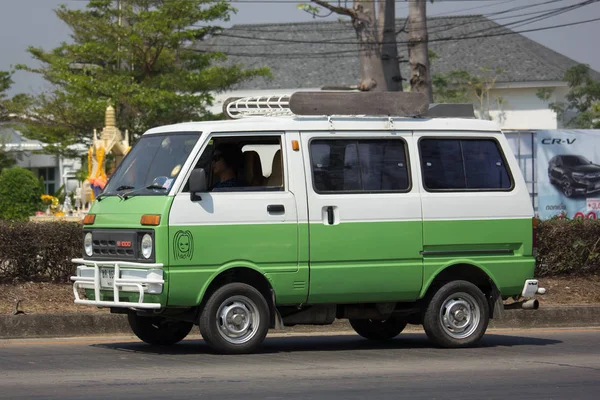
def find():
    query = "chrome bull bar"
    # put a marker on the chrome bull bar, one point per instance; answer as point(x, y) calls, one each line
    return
point(144, 277)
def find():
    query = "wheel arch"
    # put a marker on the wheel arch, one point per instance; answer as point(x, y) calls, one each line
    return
point(465, 270)
point(241, 273)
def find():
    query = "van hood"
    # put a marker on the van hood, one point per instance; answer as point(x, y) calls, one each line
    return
point(115, 212)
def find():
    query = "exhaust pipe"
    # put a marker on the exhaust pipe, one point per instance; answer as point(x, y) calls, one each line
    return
point(532, 304)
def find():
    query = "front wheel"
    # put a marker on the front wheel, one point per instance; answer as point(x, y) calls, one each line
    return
point(378, 330)
point(158, 330)
point(235, 319)
point(457, 315)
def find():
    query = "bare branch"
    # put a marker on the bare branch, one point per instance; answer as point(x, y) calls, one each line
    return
point(338, 10)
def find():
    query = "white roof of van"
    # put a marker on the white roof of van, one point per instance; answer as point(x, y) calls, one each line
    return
point(342, 123)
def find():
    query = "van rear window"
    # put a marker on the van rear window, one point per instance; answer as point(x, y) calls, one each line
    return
point(463, 165)
point(359, 166)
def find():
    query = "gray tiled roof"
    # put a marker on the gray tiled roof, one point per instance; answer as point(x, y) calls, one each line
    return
point(315, 54)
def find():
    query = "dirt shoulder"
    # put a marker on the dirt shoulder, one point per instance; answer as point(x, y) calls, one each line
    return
point(41, 298)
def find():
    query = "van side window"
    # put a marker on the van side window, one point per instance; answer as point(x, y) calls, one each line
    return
point(463, 164)
point(359, 165)
point(242, 164)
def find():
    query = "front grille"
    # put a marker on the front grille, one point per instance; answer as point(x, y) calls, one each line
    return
point(117, 244)
point(110, 248)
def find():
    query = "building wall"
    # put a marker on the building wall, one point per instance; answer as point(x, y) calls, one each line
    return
point(520, 108)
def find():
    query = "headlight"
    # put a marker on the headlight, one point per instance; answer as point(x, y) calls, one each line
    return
point(87, 244)
point(146, 246)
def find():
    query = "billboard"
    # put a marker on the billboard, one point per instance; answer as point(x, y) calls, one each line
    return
point(568, 173)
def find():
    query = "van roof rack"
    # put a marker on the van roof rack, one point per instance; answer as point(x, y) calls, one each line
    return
point(388, 104)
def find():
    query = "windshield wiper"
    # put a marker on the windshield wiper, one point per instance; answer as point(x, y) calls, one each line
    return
point(106, 194)
point(125, 196)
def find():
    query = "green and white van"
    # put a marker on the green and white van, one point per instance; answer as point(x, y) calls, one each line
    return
point(382, 221)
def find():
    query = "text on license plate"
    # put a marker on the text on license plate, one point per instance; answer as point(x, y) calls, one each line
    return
point(107, 277)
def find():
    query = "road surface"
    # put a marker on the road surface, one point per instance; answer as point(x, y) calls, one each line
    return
point(525, 364)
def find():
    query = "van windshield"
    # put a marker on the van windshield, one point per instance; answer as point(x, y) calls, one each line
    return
point(152, 165)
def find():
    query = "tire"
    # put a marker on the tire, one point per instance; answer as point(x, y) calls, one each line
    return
point(567, 188)
point(158, 330)
point(457, 315)
point(252, 319)
point(378, 330)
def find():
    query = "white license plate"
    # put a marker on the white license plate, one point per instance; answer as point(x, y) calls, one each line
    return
point(107, 277)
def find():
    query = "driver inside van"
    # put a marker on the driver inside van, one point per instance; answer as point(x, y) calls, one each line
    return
point(226, 162)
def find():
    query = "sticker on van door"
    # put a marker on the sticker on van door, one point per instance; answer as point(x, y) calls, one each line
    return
point(183, 245)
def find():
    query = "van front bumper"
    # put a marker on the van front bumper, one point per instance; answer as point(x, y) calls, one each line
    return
point(119, 277)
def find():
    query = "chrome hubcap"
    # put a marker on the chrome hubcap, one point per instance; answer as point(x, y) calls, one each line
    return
point(238, 319)
point(460, 315)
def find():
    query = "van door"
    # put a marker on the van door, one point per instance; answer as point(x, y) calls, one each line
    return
point(364, 216)
point(251, 222)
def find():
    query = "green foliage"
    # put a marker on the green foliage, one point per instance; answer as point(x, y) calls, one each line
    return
point(20, 193)
point(568, 247)
point(7, 159)
point(583, 98)
point(460, 86)
point(147, 67)
point(38, 251)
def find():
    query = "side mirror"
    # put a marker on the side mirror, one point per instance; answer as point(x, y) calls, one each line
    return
point(197, 183)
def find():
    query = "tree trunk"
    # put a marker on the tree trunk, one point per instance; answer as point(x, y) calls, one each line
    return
point(389, 48)
point(372, 76)
point(420, 80)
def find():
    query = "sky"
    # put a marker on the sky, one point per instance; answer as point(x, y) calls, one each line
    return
point(26, 23)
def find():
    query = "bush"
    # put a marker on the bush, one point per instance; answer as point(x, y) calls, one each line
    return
point(42, 251)
point(39, 251)
point(20, 194)
point(568, 247)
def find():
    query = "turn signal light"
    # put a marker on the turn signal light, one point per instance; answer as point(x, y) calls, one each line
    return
point(89, 219)
point(149, 219)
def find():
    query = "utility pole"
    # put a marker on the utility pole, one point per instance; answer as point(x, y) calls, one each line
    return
point(420, 77)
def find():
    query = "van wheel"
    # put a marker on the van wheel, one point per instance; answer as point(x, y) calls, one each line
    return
point(235, 319)
point(457, 315)
point(158, 330)
point(378, 329)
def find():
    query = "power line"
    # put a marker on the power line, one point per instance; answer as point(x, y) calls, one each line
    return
point(355, 51)
point(344, 41)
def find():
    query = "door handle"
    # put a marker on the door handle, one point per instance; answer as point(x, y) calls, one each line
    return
point(275, 208)
point(330, 219)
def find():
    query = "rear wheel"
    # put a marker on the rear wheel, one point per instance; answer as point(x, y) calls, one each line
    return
point(158, 330)
point(235, 319)
point(378, 329)
point(457, 315)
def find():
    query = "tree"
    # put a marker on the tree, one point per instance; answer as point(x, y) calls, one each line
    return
point(7, 159)
point(420, 80)
point(378, 48)
point(375, 29)
point(583, 98)
point(139, 58)
point(20, 194)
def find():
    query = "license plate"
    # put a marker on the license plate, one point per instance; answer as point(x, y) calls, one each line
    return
point(107, 277)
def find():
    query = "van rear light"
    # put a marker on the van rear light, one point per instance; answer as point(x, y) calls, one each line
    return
point(534, 222)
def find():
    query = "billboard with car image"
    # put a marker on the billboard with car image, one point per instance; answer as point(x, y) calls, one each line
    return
point(568, 173)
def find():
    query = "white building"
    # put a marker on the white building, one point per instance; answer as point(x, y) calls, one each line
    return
point(56, 171)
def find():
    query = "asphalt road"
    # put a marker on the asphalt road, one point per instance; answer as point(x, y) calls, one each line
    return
point(533, 364)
